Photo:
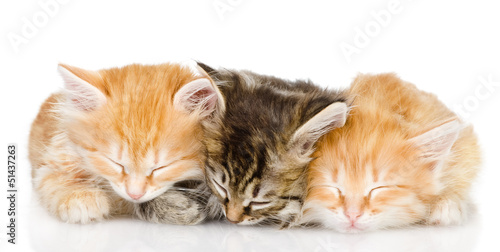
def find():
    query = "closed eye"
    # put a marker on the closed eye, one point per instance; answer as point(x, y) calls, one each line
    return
point(333, 189)
point(158, 168)
point(120, 166)
point(374, 191)
point(259, 204)
point(337, 190)
point(222, 191)
point(162, 167)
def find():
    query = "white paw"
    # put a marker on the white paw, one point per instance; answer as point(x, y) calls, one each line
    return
point(84, 207)
point(448, 212)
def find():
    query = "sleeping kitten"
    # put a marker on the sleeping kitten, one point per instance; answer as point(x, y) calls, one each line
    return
point(118, 136)
point(402, 158)
point(259, 147)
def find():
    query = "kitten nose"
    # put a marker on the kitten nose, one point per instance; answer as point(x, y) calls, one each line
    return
point(353, 215)
point(135, 196)
point(234, 213)
point(233, 221)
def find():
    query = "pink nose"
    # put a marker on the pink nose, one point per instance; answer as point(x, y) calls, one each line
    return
point(353, 215)
point(135, 196)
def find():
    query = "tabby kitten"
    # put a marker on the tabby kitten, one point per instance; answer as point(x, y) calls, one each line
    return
point(259, 147)
point(402, 158)
point(118, 136)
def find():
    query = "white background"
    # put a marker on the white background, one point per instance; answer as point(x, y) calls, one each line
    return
point(445, 47)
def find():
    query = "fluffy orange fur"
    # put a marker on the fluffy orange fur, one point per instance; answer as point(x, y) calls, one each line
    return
point(375, 172)
point(85, 153)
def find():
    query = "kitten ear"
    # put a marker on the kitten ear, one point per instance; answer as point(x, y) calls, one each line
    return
point(436, 143)
point(81, 87)
point(331, 117)
point(204, 68)
point(199, 95)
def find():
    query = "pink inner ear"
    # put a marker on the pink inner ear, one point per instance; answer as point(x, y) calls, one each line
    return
point(437, 143)
point(83, 98)
point(198, 95)
point(84, 104)
point(81, 94)
point(205, 97)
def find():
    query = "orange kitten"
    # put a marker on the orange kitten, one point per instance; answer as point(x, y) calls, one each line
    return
point(402, 158)
point(118, 136)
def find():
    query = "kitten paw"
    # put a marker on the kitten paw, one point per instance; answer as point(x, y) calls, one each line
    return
point(84, 207)
point(172, 207)
point(448, 212)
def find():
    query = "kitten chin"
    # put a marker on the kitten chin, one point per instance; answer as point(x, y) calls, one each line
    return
point(118, 136)
point(403, 158)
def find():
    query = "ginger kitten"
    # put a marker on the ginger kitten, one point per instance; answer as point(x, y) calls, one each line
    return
point(118, 136)
point(402, 158)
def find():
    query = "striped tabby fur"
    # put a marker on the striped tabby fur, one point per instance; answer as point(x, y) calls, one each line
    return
point(259, 147)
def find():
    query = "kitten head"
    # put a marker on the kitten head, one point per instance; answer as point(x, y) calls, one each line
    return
point(138, 127)
point(371, 174)
point(259, 148)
